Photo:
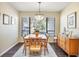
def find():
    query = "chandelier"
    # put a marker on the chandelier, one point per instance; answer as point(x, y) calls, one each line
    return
point(39, 16)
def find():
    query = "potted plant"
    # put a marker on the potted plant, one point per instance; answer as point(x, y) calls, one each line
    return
point(36, 33)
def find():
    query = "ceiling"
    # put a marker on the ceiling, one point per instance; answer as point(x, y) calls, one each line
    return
point(34, 6)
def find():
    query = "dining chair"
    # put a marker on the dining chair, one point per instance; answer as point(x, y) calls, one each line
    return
point(26, 44)
point(44, 44)
point(35, 45)
point(47, 36)
point(45, 47)
point(32, 44)
point(39, 43)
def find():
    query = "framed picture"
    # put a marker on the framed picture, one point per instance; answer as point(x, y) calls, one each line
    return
point(12, 20)
point(6, 19)
point(71, 20)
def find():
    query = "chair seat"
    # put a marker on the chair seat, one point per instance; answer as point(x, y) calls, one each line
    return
point(35, 48)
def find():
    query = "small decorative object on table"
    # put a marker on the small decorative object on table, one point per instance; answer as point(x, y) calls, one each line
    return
point(37, 33)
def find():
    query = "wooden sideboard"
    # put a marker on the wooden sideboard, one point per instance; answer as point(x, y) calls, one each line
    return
point(69, 45)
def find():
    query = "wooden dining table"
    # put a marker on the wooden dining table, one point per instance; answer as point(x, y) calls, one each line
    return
point(42, 36)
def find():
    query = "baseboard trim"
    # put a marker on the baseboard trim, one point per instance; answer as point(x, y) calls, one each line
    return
point(8, 49)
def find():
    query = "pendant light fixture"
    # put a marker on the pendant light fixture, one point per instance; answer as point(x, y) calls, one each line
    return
point(39, 16)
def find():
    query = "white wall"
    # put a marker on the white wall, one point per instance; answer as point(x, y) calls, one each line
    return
point(73, 7)
point(8, 33)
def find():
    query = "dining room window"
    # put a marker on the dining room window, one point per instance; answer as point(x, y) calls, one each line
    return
point(30, 24)
point(38, 25)
point(25, 29)
point(51, 26)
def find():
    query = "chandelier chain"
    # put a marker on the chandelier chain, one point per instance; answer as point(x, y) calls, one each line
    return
point(39, 7)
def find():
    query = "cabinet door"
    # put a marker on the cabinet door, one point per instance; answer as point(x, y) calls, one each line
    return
point(63, 43)
point(58, 40)
point(67, 46)
point(73, 47)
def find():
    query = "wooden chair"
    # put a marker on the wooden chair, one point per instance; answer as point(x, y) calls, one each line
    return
point(44, 44)
point(45, 47)
point(26, 44)
point(35, 45)
point(39, 43)
point(47, 35)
